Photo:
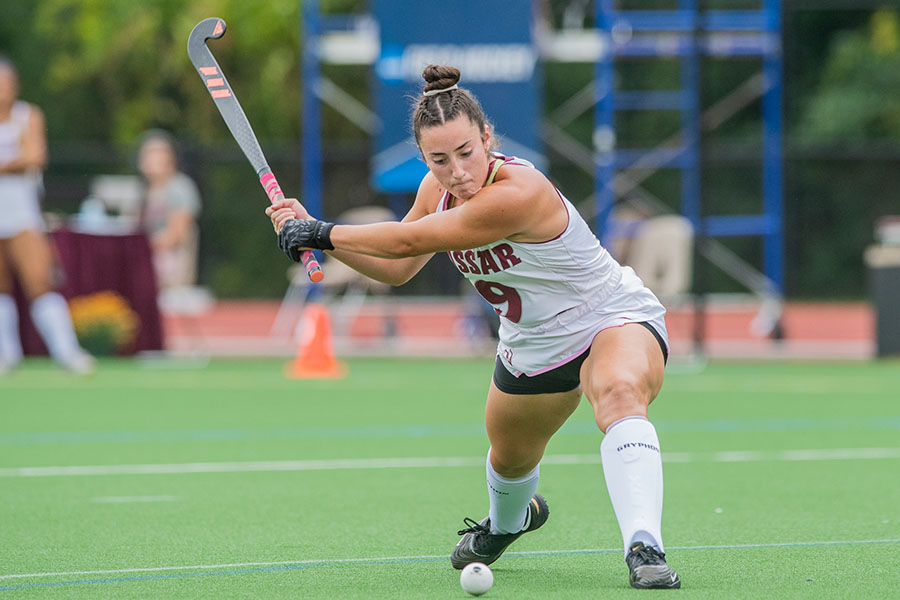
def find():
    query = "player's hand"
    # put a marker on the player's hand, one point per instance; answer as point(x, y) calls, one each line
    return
point(298, 234)
point(284, 210)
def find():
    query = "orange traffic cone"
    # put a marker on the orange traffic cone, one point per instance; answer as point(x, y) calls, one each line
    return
point(315, 355)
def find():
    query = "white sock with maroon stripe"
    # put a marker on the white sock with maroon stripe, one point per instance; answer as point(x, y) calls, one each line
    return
point(510, 498)
point(632, 465)
point(10, 345)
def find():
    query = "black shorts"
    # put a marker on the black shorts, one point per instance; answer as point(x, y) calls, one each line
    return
point(564, 378)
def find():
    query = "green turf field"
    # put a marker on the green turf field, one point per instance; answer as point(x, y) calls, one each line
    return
point(230, 481)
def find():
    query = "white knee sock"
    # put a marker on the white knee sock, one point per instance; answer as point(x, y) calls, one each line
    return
point(51, 317)
point(632, 466)
point(10, 344)
point(510, 498)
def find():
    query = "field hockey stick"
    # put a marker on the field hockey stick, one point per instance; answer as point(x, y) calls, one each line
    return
point(237, 122)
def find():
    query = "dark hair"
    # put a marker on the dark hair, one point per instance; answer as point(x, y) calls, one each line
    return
point(438, 108)
point(160, 135)
point(7, 63)
point(152, 135)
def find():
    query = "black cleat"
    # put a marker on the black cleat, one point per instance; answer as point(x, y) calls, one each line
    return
point(478, 544)
point(648, 569)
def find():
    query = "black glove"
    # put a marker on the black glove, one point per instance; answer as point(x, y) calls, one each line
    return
point(304, 233)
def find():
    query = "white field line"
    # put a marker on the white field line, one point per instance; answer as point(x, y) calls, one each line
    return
point(429, 557)
point(437, 462)
point(128, 499)
point(335, 561)
point(238, 467)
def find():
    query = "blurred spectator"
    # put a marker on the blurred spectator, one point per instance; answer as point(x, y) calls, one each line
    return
point(659, 247)
point(170, 210)
point(25, 251)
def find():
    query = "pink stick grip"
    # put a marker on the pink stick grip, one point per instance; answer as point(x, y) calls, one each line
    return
point(273, 190)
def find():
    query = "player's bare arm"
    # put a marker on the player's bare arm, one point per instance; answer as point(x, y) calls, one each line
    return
point(393, 271)
point(520, 207)
point(33, 146)
point(396, 271)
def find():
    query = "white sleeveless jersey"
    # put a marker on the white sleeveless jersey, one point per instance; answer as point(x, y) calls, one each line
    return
point(19, 205)
point(553, 297)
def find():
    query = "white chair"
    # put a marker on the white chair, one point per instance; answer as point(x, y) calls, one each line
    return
point(186, 305)
point(121, 194)
point(661, 253)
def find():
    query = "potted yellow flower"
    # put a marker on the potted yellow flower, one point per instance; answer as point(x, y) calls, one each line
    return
point(104, 322)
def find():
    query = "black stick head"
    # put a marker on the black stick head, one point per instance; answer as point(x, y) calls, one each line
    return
point(211, 28)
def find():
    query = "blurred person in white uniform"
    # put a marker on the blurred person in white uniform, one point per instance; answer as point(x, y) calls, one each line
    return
point(25, 250)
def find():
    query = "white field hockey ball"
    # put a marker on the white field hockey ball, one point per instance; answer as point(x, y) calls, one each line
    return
point(476, 578)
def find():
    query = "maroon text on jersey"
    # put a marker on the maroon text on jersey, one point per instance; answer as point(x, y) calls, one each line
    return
point(483, 262)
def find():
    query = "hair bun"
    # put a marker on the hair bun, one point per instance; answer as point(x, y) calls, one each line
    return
point(440, 77)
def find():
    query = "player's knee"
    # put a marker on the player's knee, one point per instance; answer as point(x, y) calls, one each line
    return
point(614, 389)
point(618, 397)
point(514, 463)
point(36, 286)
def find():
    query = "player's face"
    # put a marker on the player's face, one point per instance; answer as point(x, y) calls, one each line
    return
point(457, 153)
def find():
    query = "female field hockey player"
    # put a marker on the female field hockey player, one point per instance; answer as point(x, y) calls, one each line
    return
point(25, 250)
point(573, 321)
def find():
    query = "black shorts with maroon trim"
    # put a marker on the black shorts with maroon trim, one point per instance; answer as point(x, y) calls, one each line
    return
point(564, 378)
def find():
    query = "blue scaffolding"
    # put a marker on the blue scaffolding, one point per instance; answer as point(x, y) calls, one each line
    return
point(687, 34)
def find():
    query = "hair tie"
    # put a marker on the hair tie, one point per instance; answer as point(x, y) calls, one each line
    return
point(447, 89)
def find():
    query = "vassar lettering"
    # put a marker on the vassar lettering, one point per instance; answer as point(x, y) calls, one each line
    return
point(470, 259)
point(488, 264)
point(506, 255)
point(460, 263)
point(484, 262)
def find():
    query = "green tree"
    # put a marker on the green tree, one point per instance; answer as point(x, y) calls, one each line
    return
point(858, 97)
point(115, 68)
